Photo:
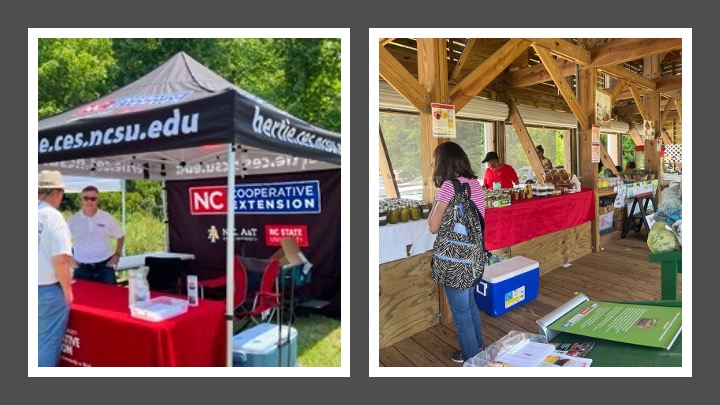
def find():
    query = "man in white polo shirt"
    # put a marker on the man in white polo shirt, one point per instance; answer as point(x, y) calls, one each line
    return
point(54, 269)
point(92, 229)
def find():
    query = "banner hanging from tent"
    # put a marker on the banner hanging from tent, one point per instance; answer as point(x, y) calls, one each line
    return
point(304, 205)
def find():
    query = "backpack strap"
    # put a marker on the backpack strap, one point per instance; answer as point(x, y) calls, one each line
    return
point(465, 188)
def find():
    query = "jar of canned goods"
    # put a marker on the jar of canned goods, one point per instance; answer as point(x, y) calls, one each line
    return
point(426, 206)
point(394, 215)
point(404, 213)
point(383, 217)
point(415, 212)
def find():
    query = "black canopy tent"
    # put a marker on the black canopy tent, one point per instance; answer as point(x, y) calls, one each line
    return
point(183, 121)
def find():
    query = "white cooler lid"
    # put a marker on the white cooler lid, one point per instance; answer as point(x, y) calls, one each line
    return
point(508, 269)
point(261, 339)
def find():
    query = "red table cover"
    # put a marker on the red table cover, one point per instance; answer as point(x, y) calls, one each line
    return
point(529, 218)
point(101, 332)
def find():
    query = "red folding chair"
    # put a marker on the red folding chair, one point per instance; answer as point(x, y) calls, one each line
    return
point(264, 303)
point(240, 279)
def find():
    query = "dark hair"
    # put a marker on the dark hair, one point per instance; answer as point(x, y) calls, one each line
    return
point(539, 148)
point(451, 161)
point(90, 188)
point(630, 165)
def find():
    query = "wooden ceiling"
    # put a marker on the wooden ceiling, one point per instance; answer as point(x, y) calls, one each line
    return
point(638, 65)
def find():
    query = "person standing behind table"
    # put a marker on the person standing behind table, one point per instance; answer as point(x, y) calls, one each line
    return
point(92, 229)
point(630, 165)
point(546, 163)
point(54, 269)
point(450, 161)
point(498, 172)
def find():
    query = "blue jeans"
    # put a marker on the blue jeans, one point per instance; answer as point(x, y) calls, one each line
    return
point(53, 314)
point(102, 274)
point(466, 318)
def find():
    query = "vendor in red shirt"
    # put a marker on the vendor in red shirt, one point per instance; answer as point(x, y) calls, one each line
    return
point(498, 172)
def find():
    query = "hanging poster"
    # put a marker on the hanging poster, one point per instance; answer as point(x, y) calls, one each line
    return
point(595, 153)
point(595, 134)
point(443, 120)
point(603, 107)
point(649, 129)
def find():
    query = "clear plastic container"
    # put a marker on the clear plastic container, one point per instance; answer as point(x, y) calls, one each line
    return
point(487, 357)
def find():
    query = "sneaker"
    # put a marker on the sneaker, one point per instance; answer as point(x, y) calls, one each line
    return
point(457, 356)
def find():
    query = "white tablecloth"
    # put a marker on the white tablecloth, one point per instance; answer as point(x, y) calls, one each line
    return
point(129, 262)
point(394, 239)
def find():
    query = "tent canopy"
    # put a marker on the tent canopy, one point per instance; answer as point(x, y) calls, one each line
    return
point(175, 123)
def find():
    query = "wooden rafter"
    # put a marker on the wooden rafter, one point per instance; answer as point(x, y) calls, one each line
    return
point(403, 82)
point(663, 85)
point(670, 103)
point(479, 78)
point(563, 49)
point(678, 105)
point(523, 135)
point(533, 75)
point(562, 85)
point(635, 135)
point(638, 100)
point(619, 86)
point(607, 160)
point(386, 170)
point(463, 58)
point(622, 73)
point(385, 41)
point(629, 49)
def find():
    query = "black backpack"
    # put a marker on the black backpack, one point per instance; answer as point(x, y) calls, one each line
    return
point(459, 250)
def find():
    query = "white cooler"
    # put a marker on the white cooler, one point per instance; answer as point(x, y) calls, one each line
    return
point(258, 347)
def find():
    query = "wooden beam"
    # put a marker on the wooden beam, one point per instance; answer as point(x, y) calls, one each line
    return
point(523, 136)
point(479, 78)
point(666, 138)
point(562, 85)
point(619, 86)
point(588, 171)
point(386, 170)
point(607, 160)
point(635, 135)
point(463, 58)
point(678, 105)
point(563, 49)
point(532, 75)
point(432, 75)
point(638, 100)
point(663, 85)
point(385, 41)
point(403, 82)
point(629, 49)
point(670, 103)
point(622, 73)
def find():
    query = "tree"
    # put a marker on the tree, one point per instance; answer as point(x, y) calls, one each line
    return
point(72, 71)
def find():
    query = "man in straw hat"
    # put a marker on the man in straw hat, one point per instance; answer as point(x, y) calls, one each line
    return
point(54, 268)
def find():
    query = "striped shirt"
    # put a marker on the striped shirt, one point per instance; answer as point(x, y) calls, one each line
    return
point(477, 194)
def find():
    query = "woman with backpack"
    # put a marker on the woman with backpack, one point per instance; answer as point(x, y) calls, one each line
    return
point(451, 162)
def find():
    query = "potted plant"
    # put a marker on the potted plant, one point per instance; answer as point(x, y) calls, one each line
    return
point(636, 174)
point(650, 174)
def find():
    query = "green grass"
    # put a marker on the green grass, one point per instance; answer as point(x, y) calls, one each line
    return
point(318, 341)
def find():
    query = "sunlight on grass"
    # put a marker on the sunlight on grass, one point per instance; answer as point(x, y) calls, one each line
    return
point(319, 341)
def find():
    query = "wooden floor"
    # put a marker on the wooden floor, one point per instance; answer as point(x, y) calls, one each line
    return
point(620, 272)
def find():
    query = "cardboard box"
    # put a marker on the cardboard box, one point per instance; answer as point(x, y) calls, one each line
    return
point(508, 284)
point(289, 253)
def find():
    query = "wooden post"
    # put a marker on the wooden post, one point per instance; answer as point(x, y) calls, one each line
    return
point(587, 78)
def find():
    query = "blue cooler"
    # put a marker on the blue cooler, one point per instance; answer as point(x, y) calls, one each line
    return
point(258, 347)
point(508, 284)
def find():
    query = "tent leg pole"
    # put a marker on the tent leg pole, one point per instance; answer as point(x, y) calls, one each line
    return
point(230, 253)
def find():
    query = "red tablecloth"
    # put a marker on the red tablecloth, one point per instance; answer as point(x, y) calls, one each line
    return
point(529, 218)
point(101, 332)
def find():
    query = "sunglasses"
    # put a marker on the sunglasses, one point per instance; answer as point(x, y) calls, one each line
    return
point(86, 198)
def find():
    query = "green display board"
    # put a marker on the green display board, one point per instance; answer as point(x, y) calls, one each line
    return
point(608, 353)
